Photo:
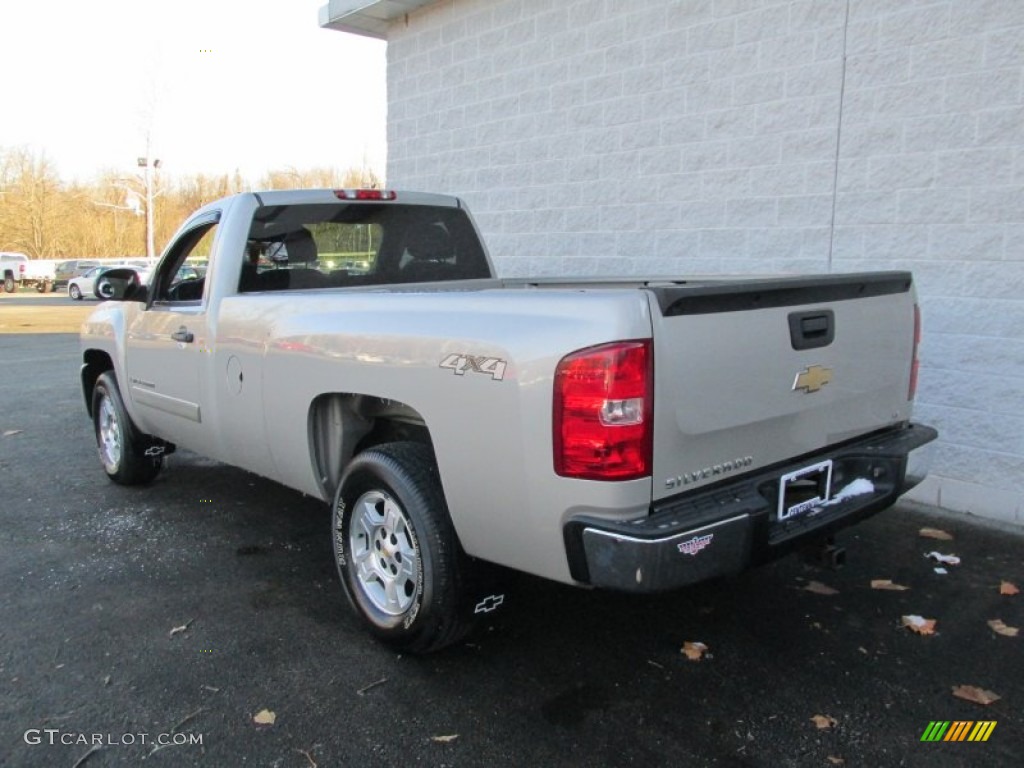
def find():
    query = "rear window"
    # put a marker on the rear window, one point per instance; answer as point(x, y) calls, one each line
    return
point(350, 244)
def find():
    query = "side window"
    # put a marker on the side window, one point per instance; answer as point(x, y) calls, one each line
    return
point(175, 280)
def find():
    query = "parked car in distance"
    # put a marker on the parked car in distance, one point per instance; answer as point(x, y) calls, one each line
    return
point(18, 270)
point(83, 286)
point(10, 266)
point(73, 268)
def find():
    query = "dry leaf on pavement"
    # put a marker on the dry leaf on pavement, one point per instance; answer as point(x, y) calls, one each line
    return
point(820, 589)
point(998, 626)
point(835, 760)
point(178, 630)
point(264, 717)
point(975, 694)
point(1008, 588)
point(695, 650)
point(935, 533)
point(887, 584)
point(445, 739)
point(824, 721)
point(919, 624)
point(12, 432)
point(944, 559)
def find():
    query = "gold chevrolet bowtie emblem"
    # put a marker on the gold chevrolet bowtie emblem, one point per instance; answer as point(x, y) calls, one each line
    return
point(812, 379)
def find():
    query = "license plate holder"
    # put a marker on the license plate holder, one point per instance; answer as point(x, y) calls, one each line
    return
point(803, 490)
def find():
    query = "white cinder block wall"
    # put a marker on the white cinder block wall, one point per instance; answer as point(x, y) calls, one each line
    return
point(688, 136)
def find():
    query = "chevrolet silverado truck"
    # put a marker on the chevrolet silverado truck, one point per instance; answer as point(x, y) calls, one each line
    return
point(630, 434)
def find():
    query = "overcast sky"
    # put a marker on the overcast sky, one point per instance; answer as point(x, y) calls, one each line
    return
point(221, 84)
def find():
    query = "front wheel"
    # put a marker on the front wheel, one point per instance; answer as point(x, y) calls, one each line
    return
point(128, 456)
point(9, 285)
point(75, 292)
point(396, 550)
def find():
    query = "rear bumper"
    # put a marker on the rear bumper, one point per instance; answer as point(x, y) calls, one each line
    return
point(731, 526)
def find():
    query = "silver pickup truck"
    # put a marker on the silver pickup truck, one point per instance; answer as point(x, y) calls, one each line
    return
point(632, 434)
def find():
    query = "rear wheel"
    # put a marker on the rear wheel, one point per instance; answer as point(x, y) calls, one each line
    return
point(397, 554)
point(127, 455)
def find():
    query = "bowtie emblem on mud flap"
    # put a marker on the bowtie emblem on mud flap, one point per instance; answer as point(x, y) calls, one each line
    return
point(489, 603)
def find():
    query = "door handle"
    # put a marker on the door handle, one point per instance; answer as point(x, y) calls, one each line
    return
point(183, 335)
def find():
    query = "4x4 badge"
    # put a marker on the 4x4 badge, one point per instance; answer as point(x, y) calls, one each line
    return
point(812, 378)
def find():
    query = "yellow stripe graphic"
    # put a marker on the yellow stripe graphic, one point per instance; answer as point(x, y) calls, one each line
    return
point(983, 730)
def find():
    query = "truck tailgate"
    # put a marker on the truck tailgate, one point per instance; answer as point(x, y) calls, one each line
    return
point(751, 373)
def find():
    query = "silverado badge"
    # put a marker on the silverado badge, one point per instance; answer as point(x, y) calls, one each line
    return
point(812, 379)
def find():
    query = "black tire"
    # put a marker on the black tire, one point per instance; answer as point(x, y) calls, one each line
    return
point(40, 287)
point(75, 292)
point(122, 447)
point(418, 555)
point(9, 285)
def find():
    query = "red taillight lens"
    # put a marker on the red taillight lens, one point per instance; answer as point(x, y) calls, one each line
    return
point(914, 364)
point(604, 400)
point(365, 194)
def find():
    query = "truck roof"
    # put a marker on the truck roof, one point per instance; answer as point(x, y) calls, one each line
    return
point(311, 196)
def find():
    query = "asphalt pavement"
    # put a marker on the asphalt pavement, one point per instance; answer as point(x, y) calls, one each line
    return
point(194, 608)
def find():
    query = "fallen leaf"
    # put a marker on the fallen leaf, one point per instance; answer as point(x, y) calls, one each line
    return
point(835, 760)
point(444, 739)
point(824, 721)
point(941, 571)
point(1008, 588)
point(919, 624)
point(264, 717)
point(820, 589)
point(862, 649)
point(998, 626)
point(12, 432)
point(694, 651)
point(977, 695)
point(887, 584)
point(935, 533)
point(944, 559)
point(178, 630)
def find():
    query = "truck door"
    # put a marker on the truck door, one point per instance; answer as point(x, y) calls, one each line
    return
point(168, 343)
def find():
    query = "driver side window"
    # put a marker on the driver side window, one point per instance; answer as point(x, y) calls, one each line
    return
point(177, 282)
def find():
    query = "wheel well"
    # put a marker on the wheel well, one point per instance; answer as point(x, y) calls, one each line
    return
point(94, 364)
point(343, 425)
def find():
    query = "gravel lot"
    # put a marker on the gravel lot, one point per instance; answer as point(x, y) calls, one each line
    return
point(97, 577)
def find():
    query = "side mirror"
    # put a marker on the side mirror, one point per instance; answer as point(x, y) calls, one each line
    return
point(120, 284)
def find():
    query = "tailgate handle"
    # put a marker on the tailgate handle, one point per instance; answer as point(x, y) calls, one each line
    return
point(810, 330)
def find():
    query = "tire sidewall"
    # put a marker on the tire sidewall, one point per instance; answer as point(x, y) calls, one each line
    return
point(75, 292)
point(134, 466)
point(368, 475)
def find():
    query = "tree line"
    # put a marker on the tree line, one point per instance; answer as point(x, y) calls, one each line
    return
point(48, 218)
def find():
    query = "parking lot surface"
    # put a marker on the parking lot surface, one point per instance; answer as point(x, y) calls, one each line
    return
point(189, 607)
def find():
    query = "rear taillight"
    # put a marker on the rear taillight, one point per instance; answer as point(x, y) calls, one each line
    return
point(603, 405)
point(914, 364)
